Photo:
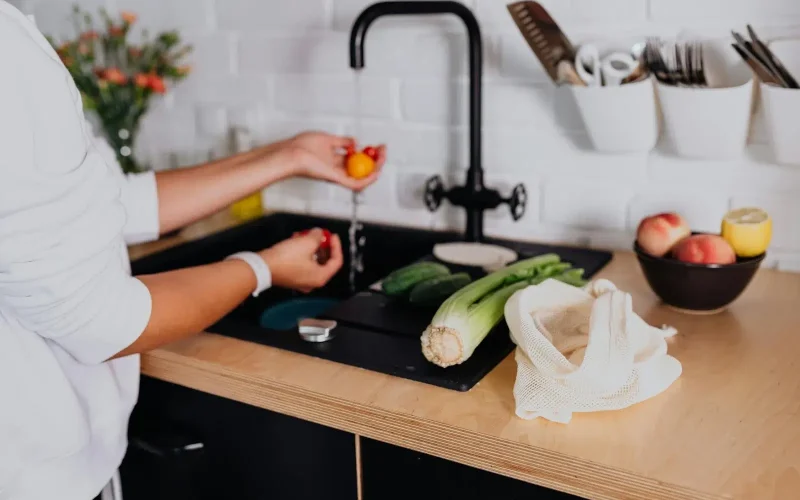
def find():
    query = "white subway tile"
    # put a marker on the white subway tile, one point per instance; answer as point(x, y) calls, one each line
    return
point(702, 210)
point(168, 15)
point(211, 55)
point(380, 194)
point(789, 264)
point(517, 59)
point(494, 16)
point(346, 11)
point(753, 172)
point(296, 192)
point(419, 146)
point(226, 89)
point(410, 190)
point(585, 205)
point(54, 17)
point(553, 154)
point(443, 102)
point(278, 127)
point(784, 212)
point(609, 11)
point(334, 95)
point(439, 101)
point(745, 11)
point(287, 15)
point(312, 53)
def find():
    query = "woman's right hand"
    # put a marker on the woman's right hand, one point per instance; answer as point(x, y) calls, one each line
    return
point(292, 262)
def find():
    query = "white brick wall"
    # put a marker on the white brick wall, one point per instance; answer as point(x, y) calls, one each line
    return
point(280, 66)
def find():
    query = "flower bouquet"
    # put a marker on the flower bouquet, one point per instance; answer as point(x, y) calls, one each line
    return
point(117, 79)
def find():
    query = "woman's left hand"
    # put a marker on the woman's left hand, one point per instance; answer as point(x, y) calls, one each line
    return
point(322, 156)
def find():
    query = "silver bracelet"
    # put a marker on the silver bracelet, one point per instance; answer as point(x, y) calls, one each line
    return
point(259, 267)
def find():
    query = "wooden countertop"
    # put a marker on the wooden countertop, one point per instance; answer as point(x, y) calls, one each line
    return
point(728, 428)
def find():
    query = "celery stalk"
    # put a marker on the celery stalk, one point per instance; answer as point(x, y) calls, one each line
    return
point(467, 316)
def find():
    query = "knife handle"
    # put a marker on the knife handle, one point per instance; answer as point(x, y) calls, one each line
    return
point(567, 74)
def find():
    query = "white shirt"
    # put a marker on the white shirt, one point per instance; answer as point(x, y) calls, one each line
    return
point(67, 299)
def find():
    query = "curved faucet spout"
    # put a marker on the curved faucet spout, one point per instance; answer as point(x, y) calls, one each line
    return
point(473, 196)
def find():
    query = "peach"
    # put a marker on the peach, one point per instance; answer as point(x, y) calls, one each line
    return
point(658, 233)
point(704, 249)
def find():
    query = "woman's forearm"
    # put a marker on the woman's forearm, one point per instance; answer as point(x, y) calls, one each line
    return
point(189, 194)
point(187, 301)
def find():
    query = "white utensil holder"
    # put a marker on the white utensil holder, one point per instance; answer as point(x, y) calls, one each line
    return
point(782, 122)
point(619, 119)
point(782, 107)
point(713, 122)
point(707, 123)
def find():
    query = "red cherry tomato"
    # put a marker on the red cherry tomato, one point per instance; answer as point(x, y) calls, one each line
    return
point(326, 238)
point(350, 150)
point(371, 152)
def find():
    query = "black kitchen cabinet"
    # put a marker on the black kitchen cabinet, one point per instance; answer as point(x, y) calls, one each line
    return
point(189, 445)
point(394, 473)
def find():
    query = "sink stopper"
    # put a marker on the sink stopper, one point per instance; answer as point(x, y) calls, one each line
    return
point(316, 330)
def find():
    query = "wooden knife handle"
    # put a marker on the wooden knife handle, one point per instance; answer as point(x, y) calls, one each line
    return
point(567, 73)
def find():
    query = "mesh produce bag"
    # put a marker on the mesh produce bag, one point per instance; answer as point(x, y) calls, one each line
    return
point(583, 350)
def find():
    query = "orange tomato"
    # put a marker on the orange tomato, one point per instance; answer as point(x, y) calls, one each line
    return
point(359, 165)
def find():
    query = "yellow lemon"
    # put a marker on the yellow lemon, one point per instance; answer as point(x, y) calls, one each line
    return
point(359, 165)
point(748, 230)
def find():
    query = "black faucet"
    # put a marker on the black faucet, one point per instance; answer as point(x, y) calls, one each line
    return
point(473, 196)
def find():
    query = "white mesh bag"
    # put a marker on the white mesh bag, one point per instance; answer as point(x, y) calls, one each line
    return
point(583, 350)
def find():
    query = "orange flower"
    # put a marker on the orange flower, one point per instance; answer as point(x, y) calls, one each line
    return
point(67, 61)
point(89, 35)
point(184, 70)
point(142, 80)
point(83, 49)
point(114, 75)
point(116, 31)
point(157, 84)
point(128, 16)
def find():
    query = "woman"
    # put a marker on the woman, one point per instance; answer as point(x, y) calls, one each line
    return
point(72, 319)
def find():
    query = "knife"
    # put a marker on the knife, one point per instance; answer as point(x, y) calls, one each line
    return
point(773, 61)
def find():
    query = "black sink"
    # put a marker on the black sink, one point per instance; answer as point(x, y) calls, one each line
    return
point(374, 332)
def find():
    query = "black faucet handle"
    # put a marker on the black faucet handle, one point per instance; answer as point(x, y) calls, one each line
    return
point(434, 192)
point(517, 202)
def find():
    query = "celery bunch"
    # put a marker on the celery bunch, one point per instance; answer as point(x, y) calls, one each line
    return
point(467, 316)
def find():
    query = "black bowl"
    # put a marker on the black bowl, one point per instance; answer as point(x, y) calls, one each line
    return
point(697, 288)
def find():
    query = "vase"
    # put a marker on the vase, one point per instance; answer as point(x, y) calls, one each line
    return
point(121, 137)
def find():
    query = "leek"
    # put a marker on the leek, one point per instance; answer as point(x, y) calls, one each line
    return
point(467, 316)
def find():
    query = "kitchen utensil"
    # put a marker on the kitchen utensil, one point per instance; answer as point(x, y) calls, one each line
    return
point(610, 70)
point(543, 35)
point(754, 50)
point(755, 63)
point(774, 62)
point(567, 73)
point(697, 288)
point(676, 64)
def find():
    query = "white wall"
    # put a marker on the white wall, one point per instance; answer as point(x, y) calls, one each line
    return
point(285, 61)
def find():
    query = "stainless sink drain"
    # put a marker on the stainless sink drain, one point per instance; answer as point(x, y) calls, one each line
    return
point(316, 330)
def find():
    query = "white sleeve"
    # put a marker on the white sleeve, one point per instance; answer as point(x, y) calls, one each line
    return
point(139, 197)
point(64, 273)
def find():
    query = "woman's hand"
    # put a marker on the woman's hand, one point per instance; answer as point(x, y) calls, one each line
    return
point(322, 156)
point(293, 265)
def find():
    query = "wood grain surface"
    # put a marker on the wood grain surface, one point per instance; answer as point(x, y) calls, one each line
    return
point(728, 428)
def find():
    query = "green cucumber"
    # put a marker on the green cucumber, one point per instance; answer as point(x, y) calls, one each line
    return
point(401, 281)
point(436, 290)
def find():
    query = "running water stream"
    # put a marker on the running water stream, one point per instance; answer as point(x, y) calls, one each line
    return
point(355, 239)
